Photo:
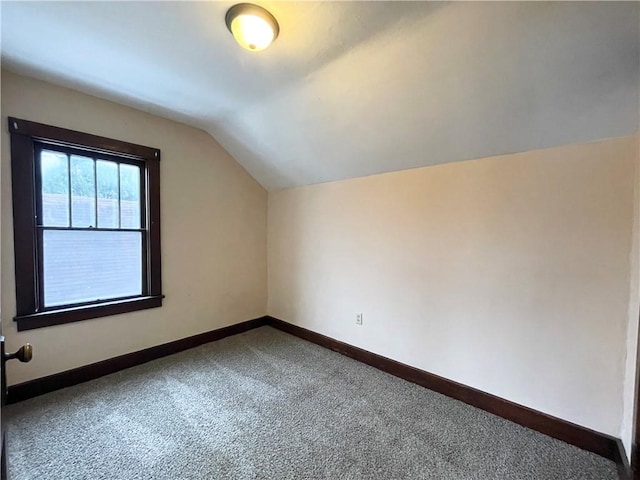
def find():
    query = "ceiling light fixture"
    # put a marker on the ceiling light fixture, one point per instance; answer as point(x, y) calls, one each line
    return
point(252, 26)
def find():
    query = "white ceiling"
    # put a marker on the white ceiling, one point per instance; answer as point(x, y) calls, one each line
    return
point(350, 88)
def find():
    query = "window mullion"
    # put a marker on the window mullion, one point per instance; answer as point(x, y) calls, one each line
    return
point(70, 209)
point(95, 191)
point(40, 271)
point(144, 224)
point(119, 201)
point(90, 229)
point(38, 283)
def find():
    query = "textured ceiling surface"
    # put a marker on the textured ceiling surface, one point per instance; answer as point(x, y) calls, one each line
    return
point(349, 88)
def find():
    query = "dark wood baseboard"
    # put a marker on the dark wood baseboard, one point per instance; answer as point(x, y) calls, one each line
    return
point(622, 462)
point(585, 438)
point(3, 458)
point(39, 386)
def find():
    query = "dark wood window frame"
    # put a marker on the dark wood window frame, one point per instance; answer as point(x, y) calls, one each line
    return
point(26, 139)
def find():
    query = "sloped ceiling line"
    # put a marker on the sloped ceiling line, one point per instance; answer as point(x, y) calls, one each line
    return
point(350, 88)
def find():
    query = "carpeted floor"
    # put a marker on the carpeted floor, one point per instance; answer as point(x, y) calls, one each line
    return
point(266, 405)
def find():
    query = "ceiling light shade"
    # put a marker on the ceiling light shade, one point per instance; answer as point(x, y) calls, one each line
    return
point(252, 26)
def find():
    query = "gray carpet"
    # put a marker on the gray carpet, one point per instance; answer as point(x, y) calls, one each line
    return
point(266, 405)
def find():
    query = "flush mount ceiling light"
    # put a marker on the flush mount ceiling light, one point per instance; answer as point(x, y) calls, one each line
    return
point(252, 26)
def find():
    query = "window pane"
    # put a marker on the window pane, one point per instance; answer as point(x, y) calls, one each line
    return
point(84, 266)
point(83, 192)
point(129, 196)
point(55, 189)
point(107, 174)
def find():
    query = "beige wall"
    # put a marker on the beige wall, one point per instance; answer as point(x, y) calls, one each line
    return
point(213, 233)
point(632, 331)
point(508, 274)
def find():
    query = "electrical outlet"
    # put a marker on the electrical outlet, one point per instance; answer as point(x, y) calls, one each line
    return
point(358, 319)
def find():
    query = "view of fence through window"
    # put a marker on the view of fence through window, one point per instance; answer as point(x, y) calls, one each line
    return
point(91, 231)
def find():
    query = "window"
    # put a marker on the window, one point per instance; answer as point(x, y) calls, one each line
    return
point(86, 213)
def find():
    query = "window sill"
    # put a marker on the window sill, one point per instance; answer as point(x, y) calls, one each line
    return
point(76, 314)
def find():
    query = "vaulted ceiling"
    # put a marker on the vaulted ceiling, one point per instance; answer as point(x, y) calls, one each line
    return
point(349, 88)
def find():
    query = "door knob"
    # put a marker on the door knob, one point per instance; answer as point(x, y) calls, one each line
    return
point(24, 353)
